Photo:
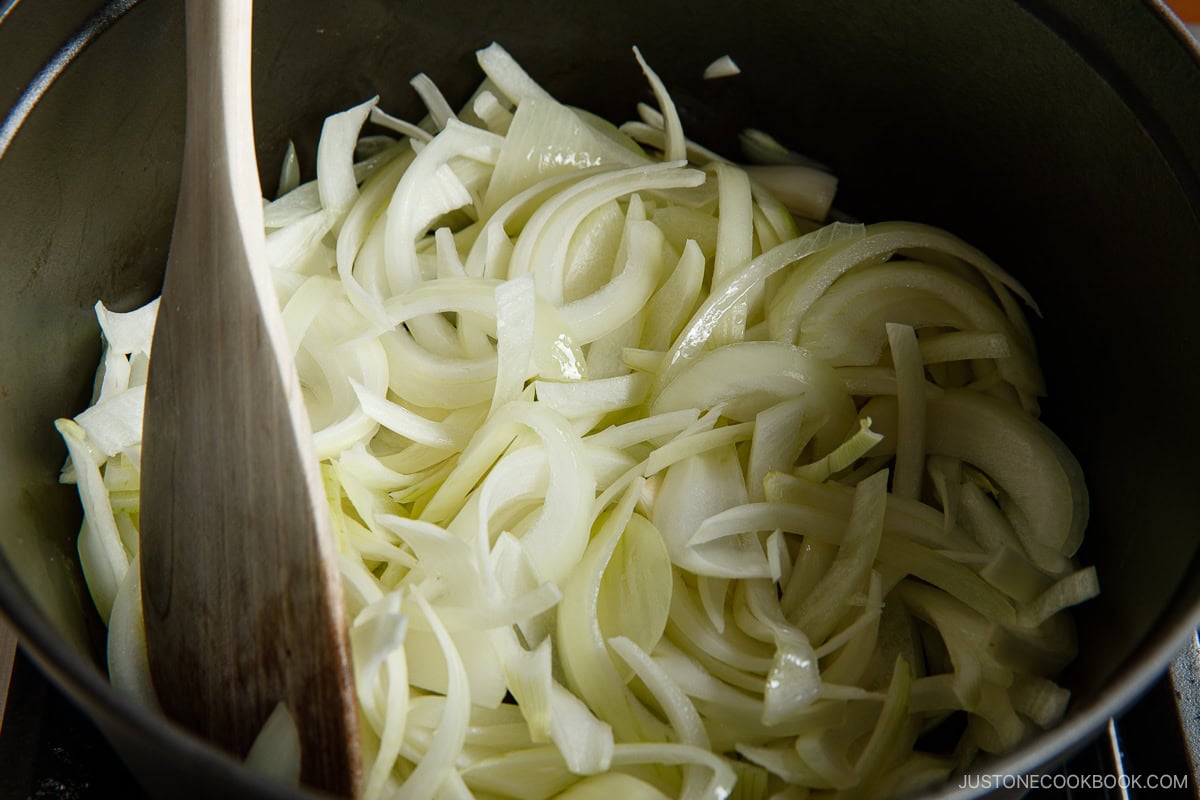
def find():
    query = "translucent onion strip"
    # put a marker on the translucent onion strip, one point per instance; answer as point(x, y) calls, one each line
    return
point(608, 433)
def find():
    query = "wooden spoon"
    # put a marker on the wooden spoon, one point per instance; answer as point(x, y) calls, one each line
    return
point(242, 597)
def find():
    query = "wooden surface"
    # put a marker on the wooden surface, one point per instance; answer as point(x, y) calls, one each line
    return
point(1188, 10)
point(8, 654)
point(241, 595)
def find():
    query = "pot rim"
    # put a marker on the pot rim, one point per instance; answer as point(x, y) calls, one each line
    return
point(119, 716)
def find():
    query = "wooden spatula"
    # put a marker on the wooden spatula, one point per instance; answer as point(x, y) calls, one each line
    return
point(241, 594)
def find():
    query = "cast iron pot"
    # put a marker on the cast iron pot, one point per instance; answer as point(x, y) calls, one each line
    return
point(1061, 136)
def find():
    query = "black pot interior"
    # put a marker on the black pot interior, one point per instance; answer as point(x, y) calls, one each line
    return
point(1056, 136)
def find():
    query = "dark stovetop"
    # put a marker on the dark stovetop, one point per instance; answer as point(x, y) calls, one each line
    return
point(48, 749)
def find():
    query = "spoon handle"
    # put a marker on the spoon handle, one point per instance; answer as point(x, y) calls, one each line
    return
point(242, 597)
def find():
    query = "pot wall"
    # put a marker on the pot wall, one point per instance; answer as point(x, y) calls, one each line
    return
point(1056, 136)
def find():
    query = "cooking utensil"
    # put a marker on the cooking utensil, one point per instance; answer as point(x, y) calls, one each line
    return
point(241, 593)
point(1056, 135)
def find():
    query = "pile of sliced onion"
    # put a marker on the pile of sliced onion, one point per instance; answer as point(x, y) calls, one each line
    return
point(645, 481)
